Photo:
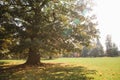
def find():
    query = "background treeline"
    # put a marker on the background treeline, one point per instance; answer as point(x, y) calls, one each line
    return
point(97, 50)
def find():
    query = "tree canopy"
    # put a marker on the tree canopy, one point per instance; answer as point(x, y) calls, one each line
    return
point(38, 27)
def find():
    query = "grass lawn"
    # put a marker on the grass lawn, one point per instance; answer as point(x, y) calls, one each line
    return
point(105, 68)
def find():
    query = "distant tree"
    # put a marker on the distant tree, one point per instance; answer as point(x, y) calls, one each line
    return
point(40, 27)
point(84, 52)
point(108, 45)
point(118, 53)
point(100, 48)
point(97, 50)
point(93, 52)
point(111, 48)
point(114, 50)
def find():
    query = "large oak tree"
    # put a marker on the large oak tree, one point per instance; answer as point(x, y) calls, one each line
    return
point(39, 27)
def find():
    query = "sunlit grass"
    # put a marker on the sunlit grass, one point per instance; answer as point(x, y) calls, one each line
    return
point(12, 61)
point(105, 68)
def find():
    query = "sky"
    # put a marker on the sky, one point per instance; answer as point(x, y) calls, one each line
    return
point(108, 15)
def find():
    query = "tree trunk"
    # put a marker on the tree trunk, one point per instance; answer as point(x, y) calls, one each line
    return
point(33, 58)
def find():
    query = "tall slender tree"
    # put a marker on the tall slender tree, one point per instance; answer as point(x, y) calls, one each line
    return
point(111, 48)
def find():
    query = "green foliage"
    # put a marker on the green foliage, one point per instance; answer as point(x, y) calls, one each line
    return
point(94, 51)
point(43, 26)
point(85, 51)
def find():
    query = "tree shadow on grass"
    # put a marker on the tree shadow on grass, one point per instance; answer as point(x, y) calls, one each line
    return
point(49, 72)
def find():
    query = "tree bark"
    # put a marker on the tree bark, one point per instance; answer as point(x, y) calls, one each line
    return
point(33, 58)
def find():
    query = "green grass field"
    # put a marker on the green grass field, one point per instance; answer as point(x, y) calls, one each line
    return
point(105, 68)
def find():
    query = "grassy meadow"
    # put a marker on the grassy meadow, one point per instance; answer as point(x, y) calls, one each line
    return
point(105, 68)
